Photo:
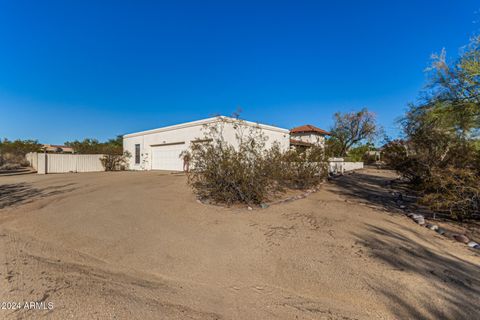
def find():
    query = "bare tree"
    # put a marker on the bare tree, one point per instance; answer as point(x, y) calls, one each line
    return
point(353, 127)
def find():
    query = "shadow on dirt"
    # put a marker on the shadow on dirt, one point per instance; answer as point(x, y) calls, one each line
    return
point(455, 279)
point(21, 193)
point(377, 191)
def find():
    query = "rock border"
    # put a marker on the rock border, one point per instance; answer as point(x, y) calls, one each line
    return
point(420, 220)
point(265, 205)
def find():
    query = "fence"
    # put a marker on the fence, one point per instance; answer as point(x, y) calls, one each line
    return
point(62, 163)
point(338, 165)
point(32, 158)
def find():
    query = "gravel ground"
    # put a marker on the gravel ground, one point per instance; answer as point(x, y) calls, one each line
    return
point(137, 245)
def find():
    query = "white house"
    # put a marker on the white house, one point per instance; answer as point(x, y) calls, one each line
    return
point(160, 149)
point(308, 135)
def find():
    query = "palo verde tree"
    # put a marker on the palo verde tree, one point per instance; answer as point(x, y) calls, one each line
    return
point(440, 154)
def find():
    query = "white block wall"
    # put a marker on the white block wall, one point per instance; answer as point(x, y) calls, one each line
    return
point(337, 165)
point(62, 163)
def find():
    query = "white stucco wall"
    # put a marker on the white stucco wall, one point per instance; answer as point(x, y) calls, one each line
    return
point(310, 137)
point(338, 165)
point(188, 132)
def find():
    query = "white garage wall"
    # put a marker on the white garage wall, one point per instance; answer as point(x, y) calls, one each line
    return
point(189, 132)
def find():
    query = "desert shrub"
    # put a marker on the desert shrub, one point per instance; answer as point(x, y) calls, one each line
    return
point(303, 168)
point(227, 174)
point(248, 172)
point(113, 161)
point(453, 190)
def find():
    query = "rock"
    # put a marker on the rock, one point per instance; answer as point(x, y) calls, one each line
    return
point(264, 205)
point(418, 218)
point(420, 221)
point(461, 238)
point(440, 231)
point(403, 206)
point(433, 227)
point(473, 244)
point(250, 208)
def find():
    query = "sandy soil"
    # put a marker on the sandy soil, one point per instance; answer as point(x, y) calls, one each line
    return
point(137, 245)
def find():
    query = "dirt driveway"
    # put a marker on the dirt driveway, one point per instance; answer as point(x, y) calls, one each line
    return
point(137, 245)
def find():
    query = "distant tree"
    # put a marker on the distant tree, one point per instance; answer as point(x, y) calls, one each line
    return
point(93, 146)
point(19, 147)
point(14, 152)
point(353, 128)
point(359, 152)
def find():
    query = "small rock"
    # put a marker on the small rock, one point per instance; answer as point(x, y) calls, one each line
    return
point(473, 244)
point(264, 205)
point(440, 231)
point(461, 238)
point(403, 206)
point(420, 221)
point(416, 216)
point(433, 227)
point(250, 208)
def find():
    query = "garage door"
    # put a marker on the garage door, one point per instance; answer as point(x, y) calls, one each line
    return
point(167, 157)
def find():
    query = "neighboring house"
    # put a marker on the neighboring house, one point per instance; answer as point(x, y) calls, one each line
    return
point(160, 149)
point(51, 148)
point(307, 136)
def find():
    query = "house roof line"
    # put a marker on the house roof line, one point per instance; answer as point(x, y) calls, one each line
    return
point(309, 128)
point(203, 122)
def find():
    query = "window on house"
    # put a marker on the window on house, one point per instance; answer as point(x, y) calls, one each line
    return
point(137, 154)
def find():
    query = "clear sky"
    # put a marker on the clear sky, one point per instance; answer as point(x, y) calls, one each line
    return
point(76, 69)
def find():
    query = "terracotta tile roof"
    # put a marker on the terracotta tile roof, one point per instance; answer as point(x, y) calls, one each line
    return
point(300, 143)
point(309, 128)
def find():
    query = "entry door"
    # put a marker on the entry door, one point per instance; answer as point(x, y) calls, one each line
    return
point(167, 157)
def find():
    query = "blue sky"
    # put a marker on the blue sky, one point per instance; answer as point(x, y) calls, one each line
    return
point(76, 69)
